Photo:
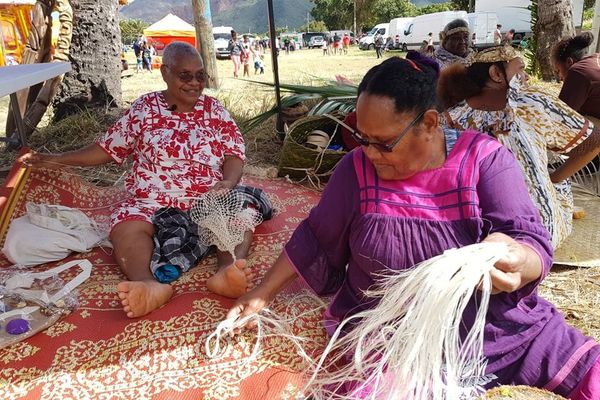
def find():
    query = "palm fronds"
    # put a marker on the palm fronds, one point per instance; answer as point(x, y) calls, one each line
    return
point(330, 97)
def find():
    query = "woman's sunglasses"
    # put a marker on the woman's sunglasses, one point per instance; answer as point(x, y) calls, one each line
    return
point(187, 77)
point(384, 147)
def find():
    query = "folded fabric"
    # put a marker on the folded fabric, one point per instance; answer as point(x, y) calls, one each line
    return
point(176, 244)
point(49, 233)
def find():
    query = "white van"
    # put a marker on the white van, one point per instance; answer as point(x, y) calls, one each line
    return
point(418, 30)
point(366, 43)
point(221, 36)
point(397, 28)
point(482, 26)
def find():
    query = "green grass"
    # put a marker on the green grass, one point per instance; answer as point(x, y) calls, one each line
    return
point(245, 99)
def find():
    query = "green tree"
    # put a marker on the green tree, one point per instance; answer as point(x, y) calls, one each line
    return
point(131, 29)
point(386, 10)
point(433, 8)
point(314, 26)
point(460, 5)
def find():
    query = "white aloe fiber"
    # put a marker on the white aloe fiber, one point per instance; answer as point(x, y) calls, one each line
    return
point(222, 219)
point(408, 347)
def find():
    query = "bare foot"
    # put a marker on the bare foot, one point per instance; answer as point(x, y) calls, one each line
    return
point(231, 281)
point(142, 297)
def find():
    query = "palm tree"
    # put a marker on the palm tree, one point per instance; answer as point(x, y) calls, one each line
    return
point(95, 79)
point(554, 22)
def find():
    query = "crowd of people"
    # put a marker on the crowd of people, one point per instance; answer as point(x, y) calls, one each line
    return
point(451, 150)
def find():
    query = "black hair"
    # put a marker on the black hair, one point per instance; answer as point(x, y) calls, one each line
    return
point(458, 82)
point(411, 84)
point(574, 47)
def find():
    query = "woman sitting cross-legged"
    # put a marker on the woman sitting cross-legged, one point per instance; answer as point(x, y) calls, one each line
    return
point(410, 192)
point(490, 95)
point(182, 143)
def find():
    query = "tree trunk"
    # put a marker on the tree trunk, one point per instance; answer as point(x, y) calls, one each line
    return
point(95, 79)
point(595, 48)
point(204, 40)
point(555, 21)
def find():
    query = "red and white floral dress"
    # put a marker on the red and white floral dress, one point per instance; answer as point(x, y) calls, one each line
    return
point(176, 156)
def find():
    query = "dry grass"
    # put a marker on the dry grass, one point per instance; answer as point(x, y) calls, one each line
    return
point(575, 291)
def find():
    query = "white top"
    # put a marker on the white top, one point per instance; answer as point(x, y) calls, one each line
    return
point(16, 77)
point(19, 2)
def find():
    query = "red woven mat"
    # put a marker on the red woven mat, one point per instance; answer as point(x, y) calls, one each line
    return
point(98, 353)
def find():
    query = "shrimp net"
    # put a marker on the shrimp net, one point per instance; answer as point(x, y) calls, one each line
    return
point(223, 218)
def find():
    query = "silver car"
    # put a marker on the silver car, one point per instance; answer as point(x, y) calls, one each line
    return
point(316, 42)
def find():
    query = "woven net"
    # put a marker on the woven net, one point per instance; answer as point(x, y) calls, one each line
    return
point(222, 219)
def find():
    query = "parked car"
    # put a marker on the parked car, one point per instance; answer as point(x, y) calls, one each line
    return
point(316, 42)
point(221, 36)
point(366, 42)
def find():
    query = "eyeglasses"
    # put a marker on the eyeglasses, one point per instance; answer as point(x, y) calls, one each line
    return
point(459, 38)
point(383, 147)
point(187, 77)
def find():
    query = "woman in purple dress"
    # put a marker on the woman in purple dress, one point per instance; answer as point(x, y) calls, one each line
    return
point(413, 190)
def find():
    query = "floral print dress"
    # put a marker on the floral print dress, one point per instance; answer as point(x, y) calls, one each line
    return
point(176, 156)
point(536, 127)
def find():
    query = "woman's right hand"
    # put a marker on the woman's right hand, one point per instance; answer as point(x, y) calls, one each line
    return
point(250, 303)
point(39, 160)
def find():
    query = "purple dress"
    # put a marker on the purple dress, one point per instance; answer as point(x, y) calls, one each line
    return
point(363, 225)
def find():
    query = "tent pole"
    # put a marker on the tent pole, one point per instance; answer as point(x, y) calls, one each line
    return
point(273, 40)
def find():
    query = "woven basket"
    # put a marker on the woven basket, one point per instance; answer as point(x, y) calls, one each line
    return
point(299, 161)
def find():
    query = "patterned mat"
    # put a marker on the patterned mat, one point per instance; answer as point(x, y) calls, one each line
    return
point(98, 353)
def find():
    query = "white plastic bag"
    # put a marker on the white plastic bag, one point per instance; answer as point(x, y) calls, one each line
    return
point(50, 233)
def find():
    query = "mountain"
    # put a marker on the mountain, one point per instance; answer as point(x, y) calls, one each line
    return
point(243, 16)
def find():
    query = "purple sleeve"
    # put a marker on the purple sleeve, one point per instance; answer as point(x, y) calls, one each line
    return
point(506, 205)
point(319, 248)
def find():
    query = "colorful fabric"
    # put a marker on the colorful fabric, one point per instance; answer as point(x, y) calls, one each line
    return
point(375, 226)
point(175, 156)
point(177, 247)
point(533, 124)
point(96, 352)
point(446, 59)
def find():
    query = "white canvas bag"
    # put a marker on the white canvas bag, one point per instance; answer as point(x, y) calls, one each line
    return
point(50, 233)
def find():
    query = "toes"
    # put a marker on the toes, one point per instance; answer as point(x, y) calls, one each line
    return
point(126, 309)
point(241, 264)
point(122, 295)
point(123, 287)
point(130, 314)
point(125, 302)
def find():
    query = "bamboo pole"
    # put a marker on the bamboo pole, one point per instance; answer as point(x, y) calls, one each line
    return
point(273, 40)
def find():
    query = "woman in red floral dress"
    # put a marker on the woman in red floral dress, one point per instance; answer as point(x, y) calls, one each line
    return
point(182, 144)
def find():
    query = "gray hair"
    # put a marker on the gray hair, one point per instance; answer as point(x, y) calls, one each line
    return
point(177, 50)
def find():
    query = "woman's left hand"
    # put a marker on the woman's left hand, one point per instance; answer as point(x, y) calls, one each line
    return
point(223, 185)
point(517, 268)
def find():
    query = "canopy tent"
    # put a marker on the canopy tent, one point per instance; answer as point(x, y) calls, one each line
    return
point(169, 29)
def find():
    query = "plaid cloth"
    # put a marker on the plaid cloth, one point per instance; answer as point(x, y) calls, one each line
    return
point(176, 244)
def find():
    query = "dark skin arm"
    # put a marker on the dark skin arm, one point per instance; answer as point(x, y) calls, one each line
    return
point(280, 275)
point(232, 173)
point(578, 157)
point(88, 156)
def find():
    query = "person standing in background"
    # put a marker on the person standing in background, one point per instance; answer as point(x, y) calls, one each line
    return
point(498, 35)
